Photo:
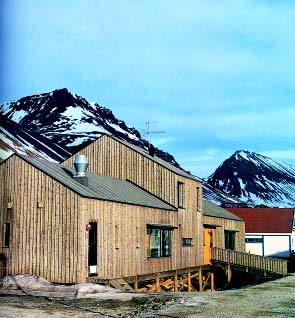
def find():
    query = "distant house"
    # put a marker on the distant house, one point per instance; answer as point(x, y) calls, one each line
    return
point(222, 229)
point(269, 231)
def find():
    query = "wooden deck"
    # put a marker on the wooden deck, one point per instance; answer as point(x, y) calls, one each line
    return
point(186, 279)
point(201, 277)
point(249, 262)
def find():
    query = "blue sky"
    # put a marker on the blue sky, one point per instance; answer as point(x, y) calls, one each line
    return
point(216, 76)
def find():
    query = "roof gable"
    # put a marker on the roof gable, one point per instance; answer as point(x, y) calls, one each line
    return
point(145, 153)
point(266, 220)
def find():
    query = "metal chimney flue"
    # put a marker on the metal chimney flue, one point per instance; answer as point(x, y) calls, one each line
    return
point(81, 165)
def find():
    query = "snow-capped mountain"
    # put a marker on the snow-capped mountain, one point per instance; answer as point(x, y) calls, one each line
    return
point(217, 196)
point(14, 138)
point(256, 179)
point(59, 123)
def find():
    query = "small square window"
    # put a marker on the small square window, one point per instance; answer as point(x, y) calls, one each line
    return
point(187, 241)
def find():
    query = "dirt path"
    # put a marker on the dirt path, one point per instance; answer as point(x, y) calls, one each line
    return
point(272, 299)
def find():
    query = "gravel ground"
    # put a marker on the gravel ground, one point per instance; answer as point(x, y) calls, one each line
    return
point(271, 299)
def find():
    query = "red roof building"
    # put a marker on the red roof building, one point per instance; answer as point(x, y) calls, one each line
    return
point(269, 231)
point(266, 220)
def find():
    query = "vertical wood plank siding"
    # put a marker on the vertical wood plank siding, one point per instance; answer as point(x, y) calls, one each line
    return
point(113, 158)
point(51, 242)
point(229, 225)
point(122, 248)
point(42, 239)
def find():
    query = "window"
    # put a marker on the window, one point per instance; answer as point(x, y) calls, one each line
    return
point(229, 240)
point(180, 194)
point(159, 241)
point(198, 198)
point(187, 241)
point(6, 234)
point(253, 240)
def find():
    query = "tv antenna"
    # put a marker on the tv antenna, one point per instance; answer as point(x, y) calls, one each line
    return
point(148, 132)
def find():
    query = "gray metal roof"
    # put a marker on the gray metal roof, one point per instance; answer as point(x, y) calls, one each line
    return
point(211, 209)
point(99, 186)
point(156, 159)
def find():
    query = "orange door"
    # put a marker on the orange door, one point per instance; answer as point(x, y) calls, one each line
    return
point(209, 241)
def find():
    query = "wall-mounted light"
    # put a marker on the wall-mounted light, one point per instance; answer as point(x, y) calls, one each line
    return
point(40, 204)
point(9, 205)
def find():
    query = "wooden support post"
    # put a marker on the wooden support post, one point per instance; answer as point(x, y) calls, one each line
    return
point(212, 282)
point(136, 283)
point(175, 282)
point(228, 273)
point(200, 279)
point(158, 288)
point(189, 286)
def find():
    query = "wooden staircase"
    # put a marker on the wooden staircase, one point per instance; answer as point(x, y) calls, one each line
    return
point(121, 285)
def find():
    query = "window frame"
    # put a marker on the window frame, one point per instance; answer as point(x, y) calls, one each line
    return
point(229, 240)
point(253, 240)
point(159, 241)
point(6, 235)
point(180, 194)
point(187, 241)
point(199, 198)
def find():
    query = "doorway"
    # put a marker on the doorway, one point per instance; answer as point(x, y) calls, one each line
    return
point(92, 248)
point(209, 242)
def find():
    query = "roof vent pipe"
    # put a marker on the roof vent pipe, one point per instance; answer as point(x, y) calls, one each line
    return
point(81, 165)
point(152, 150)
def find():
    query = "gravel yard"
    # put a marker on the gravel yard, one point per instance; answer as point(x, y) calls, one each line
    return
point(271, 299)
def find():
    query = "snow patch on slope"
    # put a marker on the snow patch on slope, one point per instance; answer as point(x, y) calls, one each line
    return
point(19, 115)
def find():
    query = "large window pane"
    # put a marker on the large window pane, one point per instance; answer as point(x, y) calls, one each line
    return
point(159, 242)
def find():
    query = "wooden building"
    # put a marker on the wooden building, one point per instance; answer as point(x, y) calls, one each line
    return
point(131, 215)
point(66, 229)
point(222, 229)
point(116, 158)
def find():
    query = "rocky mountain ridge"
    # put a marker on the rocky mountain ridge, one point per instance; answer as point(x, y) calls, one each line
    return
point(255, 179)
point(63, 121)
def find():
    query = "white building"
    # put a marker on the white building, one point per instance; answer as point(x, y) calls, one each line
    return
point(269, 231)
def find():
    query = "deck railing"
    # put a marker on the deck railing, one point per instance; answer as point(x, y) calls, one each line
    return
point(266, 264)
